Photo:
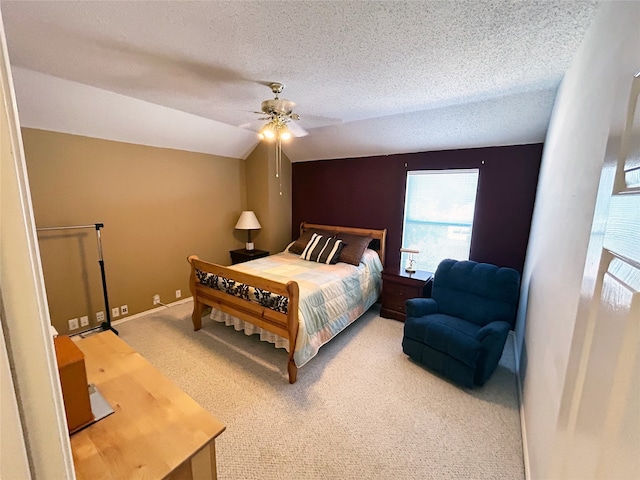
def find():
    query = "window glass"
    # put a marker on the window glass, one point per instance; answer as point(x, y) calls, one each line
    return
point(438, 215)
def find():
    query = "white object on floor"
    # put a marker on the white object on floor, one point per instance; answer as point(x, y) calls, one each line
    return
point(99, 405)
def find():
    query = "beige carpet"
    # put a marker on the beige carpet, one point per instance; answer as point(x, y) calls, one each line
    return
point(359, 410)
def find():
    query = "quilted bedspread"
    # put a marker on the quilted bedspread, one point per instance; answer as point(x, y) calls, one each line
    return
point(331, 297)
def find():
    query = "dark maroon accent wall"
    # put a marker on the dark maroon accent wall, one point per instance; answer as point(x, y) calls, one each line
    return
point(369, 193)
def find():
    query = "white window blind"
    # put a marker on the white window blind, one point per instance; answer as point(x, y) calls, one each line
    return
point(438, 215)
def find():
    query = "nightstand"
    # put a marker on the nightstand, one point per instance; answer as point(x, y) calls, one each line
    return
point(244, 255)
point(399, 286)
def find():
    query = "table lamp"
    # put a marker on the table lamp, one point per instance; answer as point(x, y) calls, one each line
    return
point(411, 263)
point(248, 222)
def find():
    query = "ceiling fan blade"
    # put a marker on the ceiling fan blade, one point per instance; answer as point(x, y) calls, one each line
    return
point(296, 130)
point(254, 125)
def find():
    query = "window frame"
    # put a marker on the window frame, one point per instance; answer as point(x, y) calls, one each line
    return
point(439, 171)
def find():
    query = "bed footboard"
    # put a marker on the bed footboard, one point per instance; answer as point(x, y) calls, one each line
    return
point(264, 303)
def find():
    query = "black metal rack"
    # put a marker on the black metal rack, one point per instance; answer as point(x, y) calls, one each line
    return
point(107, 324)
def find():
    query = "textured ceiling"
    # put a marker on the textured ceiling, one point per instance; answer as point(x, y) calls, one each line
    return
point(368, 77)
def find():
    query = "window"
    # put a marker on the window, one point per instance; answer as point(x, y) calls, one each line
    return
point(438, 215)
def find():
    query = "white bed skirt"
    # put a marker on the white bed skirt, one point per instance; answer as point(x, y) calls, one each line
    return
point(249, 329)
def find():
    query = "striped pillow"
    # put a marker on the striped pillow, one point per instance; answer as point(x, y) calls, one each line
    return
point(322, 249)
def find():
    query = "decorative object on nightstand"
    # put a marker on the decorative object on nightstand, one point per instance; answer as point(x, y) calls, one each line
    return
point(244, 255)
point(248, 222)
point(399, 286)
point(411, 263)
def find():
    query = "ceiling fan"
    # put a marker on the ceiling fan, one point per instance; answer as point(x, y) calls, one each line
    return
point(281, 124)
point(279, 115)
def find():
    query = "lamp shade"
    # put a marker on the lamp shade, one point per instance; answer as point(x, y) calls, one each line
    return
point(248, 221)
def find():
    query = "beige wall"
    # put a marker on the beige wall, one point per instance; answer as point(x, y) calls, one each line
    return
point(158, 206)
point(269, 198)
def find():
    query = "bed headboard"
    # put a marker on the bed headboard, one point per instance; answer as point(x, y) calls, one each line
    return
point(377, 244)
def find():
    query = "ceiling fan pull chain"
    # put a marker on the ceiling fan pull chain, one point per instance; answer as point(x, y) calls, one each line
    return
point(280, 167)
point(278, 156)
point(279, 163)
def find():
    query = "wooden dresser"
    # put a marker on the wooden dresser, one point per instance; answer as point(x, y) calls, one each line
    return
point(399, 286)
point(156, 430)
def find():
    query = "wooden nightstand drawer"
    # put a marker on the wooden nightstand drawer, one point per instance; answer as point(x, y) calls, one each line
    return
point(394, 296)
point(397, 287)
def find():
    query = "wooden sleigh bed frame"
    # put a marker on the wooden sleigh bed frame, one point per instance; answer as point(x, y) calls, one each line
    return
point(282, 324)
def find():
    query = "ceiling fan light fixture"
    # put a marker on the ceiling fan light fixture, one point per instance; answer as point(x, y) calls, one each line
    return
point(267, 132)
point(284, 133)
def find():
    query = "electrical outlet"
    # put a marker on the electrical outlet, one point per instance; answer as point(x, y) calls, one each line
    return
point(115, 312)
point(84, 321)
point(124, 309)
point(73, 324)
point(156, 299)
point(100, 316)
point(178, 293)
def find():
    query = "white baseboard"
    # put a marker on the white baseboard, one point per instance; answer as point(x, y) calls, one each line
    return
point(156, 309)
point(523, 424)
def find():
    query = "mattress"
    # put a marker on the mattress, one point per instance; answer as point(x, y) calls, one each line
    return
point(331, 297)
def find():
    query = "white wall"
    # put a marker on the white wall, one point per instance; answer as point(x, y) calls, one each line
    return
point(59, 105)
point(25, 317)
point(572, 160)
point(13, 450)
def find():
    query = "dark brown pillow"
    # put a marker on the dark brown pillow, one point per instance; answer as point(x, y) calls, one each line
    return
point(354, 247)
point(301, 242)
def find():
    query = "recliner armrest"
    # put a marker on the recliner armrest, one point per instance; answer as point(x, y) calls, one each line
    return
point(419, 307)
point(492, 337)
point(497, 329)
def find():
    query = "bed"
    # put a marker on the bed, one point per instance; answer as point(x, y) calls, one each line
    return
point(294, 303)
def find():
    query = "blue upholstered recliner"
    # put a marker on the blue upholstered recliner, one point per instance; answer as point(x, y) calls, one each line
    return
point(460, 332)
